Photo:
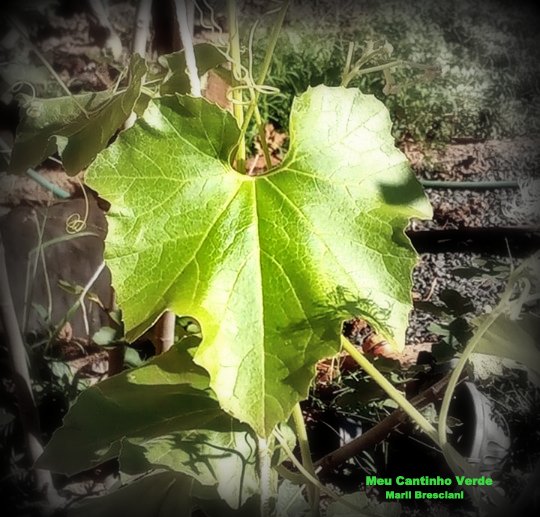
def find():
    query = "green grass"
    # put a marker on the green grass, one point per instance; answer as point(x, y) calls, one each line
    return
point(487, 54)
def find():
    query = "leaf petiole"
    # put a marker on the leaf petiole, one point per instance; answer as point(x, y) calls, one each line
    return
point(236, 64)
point(301, 433)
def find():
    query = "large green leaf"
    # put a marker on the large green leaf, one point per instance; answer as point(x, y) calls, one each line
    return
point(269, 265)
point(161, 415)
point(78, 135)
point(166, 395)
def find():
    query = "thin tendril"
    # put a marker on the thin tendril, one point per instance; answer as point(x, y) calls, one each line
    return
point(214, 23)
point(18, 86)
point(74, 223)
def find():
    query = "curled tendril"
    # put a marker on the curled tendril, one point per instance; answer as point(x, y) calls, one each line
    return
point(215, 27)
point(250, 47)
point(202, 23)
point(17, 87)
point(241, 74)
point(74, 223)
point(245, 76)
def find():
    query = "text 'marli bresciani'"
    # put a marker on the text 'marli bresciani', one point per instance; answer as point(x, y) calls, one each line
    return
point(424, 481)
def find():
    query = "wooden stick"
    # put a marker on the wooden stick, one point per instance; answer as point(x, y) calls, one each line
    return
point(164, 332)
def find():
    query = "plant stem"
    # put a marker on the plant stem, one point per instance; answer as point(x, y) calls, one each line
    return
point(238, 108)
point(471, 345)
point(263, 453)
point(164, 332)
point(78, 302)
point(262, 138)
point(362, 511)
point(265, 66)
point(140, 39)
point(392, 392)
point(357, 72)
point(452, 383)
point(348, 61)
point(187, 42)
point(456, 462)
point(165, 327)
point(100, 9)
point(301, 433)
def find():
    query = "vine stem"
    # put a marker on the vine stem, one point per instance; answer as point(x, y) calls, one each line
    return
point(380, 431)
point(454, 378)
point(305, 452)
point(78, 303)
point(348, 61)
point(139, 42)
point(164, 332)
point(264, 144)
point(310, 478)
point(357, 72)
point(456, 462)
point(392, 392)
point(265, 66)
point(453, 458)
point(469, 349)
point(238, 108)
point(165, 327)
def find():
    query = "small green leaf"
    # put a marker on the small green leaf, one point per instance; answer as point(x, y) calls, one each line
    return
point(460, 329)
point(443, 351)
point(269, 266)
point(429, 307)
point(106, 336)
point(60, 125)
point(132, 359)
point(207, 56)
point(456, 303)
